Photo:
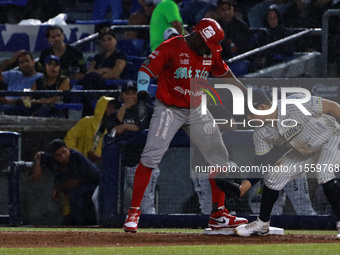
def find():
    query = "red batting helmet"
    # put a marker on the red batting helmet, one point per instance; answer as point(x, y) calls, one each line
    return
point(211, 32)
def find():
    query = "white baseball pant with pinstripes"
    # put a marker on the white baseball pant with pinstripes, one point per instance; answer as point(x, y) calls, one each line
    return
point(327, 156)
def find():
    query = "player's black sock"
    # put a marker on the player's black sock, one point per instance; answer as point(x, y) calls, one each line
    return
point(332, 192)
point(269, 197)
point(214, 208)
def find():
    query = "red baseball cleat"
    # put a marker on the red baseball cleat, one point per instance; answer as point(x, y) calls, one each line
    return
point(222, 219)
point(131, 222)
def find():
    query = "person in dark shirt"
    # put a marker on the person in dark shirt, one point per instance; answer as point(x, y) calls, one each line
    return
point(141, 17)
point(236, 31)
point(124, 127)
point(111, 62)
point(44, 105)
point(72, 61)
point(276, 31)
point(75, 176)
point(108, 64)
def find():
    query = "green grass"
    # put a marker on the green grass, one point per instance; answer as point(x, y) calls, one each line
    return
point(296, 249)
point(152, 230)
point(290, 249)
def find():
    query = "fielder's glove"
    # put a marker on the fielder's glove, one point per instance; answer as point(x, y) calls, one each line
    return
point(228, 186)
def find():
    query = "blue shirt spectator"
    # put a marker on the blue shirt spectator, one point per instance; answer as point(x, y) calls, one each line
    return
point(18, 80)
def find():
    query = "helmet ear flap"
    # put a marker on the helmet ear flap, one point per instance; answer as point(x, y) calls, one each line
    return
point(211, 32)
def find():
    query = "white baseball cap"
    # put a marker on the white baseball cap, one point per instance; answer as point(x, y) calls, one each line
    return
point(169, 32)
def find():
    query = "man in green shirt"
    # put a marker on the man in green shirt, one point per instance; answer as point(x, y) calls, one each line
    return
point(165, 15)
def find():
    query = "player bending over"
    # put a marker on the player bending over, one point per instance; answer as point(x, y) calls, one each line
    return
point(175, 62)
point(314, 139)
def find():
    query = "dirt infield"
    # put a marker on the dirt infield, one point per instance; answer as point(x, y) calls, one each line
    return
point(121, 239)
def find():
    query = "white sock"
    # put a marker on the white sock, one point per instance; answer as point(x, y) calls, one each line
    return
point(262, 223)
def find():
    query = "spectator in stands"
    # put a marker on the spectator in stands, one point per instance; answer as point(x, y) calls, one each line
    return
point(165, 15)
point(316, 9)
point(72, 62)
point(141, 17)
point(124, 127)
point(169, 33)
point(297, 14)
point(258, 13)
point(18, 80)
point(75, 176)
point(131, 6)
point(43, 105)
point(11, 63)
point(308, 13)
point(195, 10)
point(276, 31)
point(86, 136)
point(110, 63)
point(236, 31)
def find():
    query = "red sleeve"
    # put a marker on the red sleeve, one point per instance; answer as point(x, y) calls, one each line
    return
point(219, 67)
point(156, 61)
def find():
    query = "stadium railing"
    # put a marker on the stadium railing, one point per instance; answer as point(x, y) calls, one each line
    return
point(171, 194)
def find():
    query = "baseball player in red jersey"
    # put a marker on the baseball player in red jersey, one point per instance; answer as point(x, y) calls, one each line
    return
point(177, 61)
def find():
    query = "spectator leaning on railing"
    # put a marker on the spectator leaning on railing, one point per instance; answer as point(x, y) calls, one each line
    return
point(75, 176)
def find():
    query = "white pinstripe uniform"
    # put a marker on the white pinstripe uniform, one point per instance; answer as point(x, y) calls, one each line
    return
point(314, 140)
point(298, 193)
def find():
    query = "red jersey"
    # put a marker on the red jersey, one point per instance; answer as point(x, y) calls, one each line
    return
point(175, 64)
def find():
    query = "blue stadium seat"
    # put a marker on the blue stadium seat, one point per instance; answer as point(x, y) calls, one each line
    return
point(284, 58)
point(152, 90)
point(133, 65)
point(240, 68)
point(132, 47)
point(74, 85)
point(114, 84)
point(74, 110)
point(72, 106)
point(101, 6)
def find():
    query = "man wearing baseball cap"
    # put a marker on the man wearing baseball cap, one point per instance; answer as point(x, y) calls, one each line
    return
point(211, 32)
point(178, 63)
point(169, 33)
point(75, 176)
point(123, 125)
